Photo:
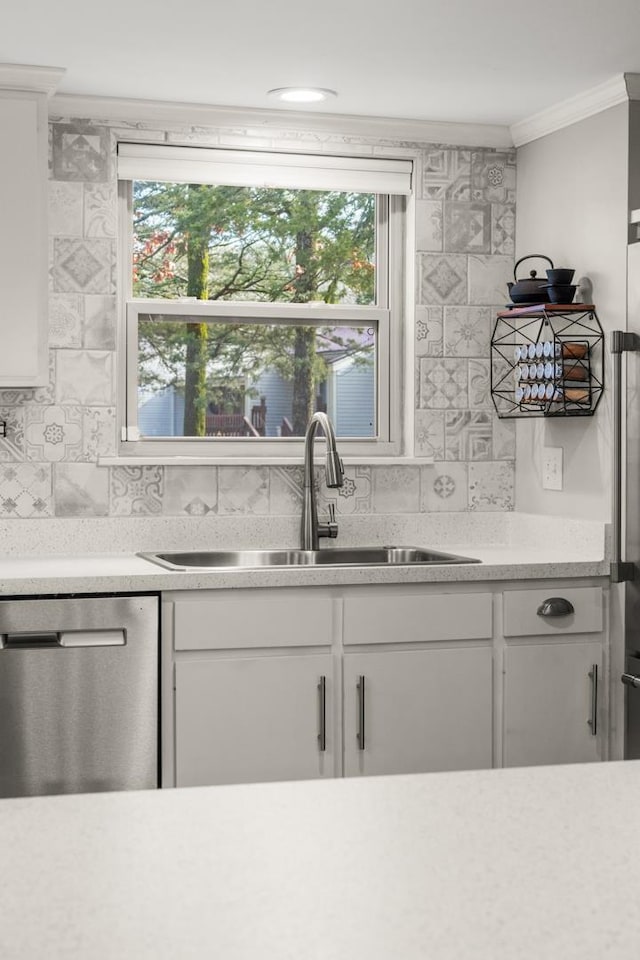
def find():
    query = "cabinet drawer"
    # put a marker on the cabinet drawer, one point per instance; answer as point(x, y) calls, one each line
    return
point(521, 618)
point(414, 618)
point(247, 619)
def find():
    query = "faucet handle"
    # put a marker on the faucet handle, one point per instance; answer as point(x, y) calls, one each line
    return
point(329, 529)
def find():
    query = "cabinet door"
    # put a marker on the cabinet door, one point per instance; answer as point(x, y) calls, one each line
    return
point(253, 719)
point(423, 710)
point(23, 239)
point(550, 703)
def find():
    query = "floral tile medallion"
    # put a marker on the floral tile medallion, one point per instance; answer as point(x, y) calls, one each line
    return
point(53, 433)
point(467, 331)
point(353, 497)
point(444, 487)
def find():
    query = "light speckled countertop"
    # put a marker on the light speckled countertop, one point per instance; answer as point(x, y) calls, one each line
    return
point(519, 864)
point(93, 556)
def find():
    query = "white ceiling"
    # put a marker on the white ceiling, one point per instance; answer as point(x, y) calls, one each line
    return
point(482, 61)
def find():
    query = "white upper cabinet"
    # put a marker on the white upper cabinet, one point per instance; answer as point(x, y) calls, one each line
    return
point(23, 213)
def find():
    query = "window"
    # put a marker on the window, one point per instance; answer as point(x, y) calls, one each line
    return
point(250, 306)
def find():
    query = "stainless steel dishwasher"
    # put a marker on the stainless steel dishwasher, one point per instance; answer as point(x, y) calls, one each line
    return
point(79, 691)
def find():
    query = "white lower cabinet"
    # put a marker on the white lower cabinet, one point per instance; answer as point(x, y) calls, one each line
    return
point(553, 696)
point(298, 682)
point(417, 711)
point(253, 719)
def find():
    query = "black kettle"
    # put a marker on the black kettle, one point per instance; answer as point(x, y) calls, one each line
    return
point(533, 290)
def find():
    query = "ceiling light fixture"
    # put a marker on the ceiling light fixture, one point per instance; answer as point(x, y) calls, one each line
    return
point(301, 94)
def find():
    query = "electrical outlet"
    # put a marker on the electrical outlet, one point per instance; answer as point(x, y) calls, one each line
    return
point(552, 468)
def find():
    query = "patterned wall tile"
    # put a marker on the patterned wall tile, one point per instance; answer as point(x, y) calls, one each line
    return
point(467, 227)
point(47, 393)
point(442, 278)
point(504, 439)
point(80, 152)
point(468, 435)
point(12, 444)
point(81, 490)
point(25, 490)
point(429, 225)
point(467, 331)
point(488, 276)
point(444, 488)
point(396, 489)
point(83, 266)
point(443, 384)
point(491, 485)
point(503, 228)
point(429, 434)
point(98, 432)
point(428, 338)
point(85, 376)
point(243, 490)
point(493, 176)
point(479, 385)
point(99, 328)
point(354, 496)
point(100, 210)
point(190, 491)
point(135, 491)
point(65, 209)
point(446, 174)
point(285, 490)
point(65, 320)
point(53, 432)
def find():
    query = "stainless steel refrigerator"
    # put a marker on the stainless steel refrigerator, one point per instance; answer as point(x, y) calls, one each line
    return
point(625, 568)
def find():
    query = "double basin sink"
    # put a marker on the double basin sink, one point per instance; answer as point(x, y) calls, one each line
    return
point(336, 557)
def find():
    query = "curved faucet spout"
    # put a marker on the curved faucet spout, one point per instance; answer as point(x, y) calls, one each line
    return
point(311, 529)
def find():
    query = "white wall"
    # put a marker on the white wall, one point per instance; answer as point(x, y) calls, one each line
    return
point(572, 206)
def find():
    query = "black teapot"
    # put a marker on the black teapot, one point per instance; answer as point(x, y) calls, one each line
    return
point(533, 290)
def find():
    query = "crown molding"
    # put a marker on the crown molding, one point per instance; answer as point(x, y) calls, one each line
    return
point(32, 79)
point(270, 121)
point(563, 114)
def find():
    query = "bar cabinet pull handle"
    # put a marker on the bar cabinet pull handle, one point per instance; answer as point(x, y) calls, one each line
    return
point(361, 715)
point(322, 699)
point(593, 721)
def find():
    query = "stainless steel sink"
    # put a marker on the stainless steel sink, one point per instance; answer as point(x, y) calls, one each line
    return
point(338, 557)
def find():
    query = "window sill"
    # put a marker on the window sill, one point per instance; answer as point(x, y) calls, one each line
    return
point(350, 461)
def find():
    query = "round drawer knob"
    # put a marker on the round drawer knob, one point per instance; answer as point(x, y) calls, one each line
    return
point(555, 607)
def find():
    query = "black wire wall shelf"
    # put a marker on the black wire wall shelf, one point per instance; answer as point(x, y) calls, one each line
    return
point(547, 360)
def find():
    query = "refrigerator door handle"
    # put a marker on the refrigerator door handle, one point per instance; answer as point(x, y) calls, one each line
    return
point(621, 342)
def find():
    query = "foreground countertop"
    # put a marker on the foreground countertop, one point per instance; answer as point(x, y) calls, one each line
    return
point(518, 864)
point(93, 556)
point(95, 573)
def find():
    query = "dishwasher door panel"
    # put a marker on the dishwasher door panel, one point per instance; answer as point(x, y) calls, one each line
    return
point(78, 695)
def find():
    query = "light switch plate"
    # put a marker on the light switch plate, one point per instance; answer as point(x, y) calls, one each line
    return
point(552, 468)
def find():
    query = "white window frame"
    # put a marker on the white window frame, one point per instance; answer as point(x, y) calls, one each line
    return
point(386, 315)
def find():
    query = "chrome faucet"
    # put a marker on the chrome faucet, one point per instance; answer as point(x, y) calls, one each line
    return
point(311, 529)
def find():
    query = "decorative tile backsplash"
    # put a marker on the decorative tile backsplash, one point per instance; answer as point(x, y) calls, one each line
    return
point(465, 226)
